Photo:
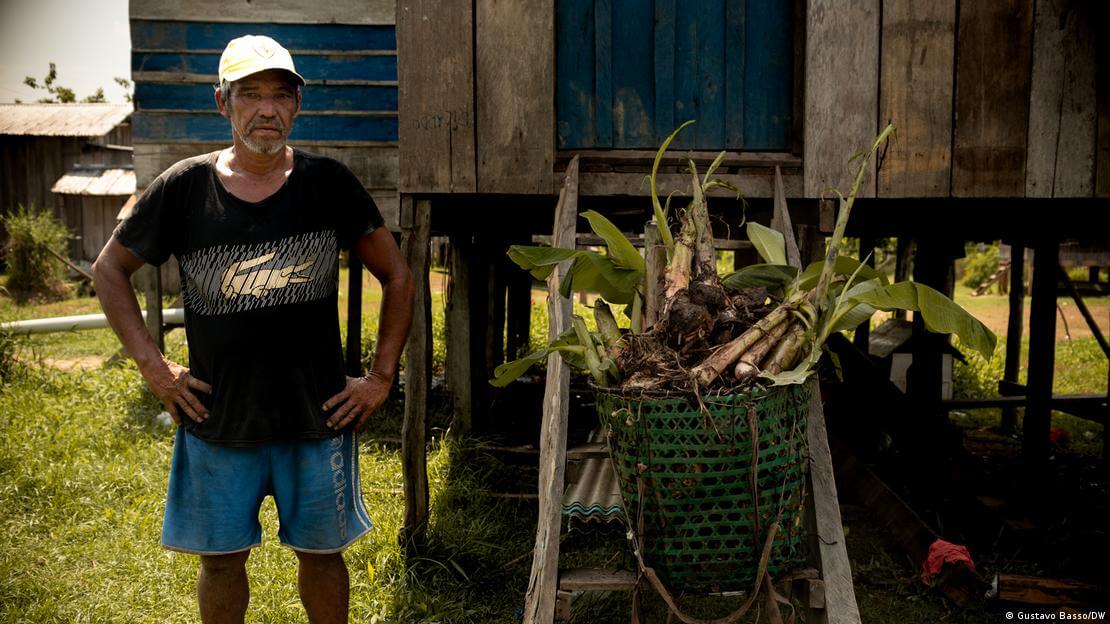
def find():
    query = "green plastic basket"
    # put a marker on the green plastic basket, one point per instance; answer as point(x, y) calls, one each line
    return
point(701, 529)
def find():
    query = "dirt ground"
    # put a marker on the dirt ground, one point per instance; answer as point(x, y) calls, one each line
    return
point(994, 312)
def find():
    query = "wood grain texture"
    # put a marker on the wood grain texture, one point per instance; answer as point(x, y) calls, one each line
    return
point(840, 594)
point(415, 241)
point(1102, 155)
point(756, 183)
point(515, 86)
point(461, 306)
point(1063, 110)
point(993, 71)
point(263, 11)
point(435, 45)
point(539, 600)
point(915, 94)
point(841, 91)
point(375, 167)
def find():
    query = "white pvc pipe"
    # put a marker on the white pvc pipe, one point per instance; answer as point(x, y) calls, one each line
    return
point(79, 322)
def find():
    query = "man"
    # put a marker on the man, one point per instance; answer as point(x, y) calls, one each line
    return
point(264, 407)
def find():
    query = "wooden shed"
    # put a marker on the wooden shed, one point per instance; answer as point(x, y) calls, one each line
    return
point(40, 143)
point(92, 197)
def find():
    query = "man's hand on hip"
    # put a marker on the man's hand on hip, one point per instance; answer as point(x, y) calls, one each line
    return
point(174, 386)
point(362, 397)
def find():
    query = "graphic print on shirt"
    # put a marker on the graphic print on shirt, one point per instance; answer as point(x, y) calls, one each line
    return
point(225, 279)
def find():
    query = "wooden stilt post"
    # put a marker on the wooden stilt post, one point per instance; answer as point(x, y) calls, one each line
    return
point(863, 330)
point(495, 310)
point(518, 312)
point(1014, 329)
point(1042, 354)
point(539, 601)
point(416, 234)
point(460, 338)
point(929, 268)
point(354, 315)
point(152, 291)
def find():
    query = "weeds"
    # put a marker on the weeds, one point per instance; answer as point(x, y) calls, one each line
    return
point(34, 273)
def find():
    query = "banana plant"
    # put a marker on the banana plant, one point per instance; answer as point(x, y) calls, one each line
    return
point(841, 292)
point(618, 276)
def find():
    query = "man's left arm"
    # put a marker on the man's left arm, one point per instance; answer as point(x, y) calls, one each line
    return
point(364, 395)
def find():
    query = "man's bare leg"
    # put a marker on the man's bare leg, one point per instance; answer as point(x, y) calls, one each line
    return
point(324, 586)
point(222, 589)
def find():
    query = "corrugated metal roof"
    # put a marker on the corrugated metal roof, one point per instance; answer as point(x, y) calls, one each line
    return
point(74, 120)
point(96, 181)
point(596, 495)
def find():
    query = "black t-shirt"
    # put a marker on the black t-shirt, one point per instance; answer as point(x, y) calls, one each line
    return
point(260, 286)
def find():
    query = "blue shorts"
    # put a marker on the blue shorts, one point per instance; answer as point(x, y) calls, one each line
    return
point(215, 493)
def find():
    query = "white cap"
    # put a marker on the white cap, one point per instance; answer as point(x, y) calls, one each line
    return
point(251, 54)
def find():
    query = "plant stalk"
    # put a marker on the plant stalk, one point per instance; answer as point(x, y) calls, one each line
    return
point(708, 371)
point(748, 365)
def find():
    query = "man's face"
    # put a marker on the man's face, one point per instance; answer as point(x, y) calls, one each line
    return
point(261, 108)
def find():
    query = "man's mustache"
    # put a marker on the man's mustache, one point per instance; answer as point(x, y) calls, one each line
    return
point(267, 125)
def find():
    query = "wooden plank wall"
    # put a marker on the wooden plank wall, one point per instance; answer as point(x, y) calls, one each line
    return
point(346, 50)
point(993, 74)
point(515, 95)
point(435, 55)
point(91, 219)
point(1062, 111)
point(990, 99)
point(841, 91)
point(915, 94)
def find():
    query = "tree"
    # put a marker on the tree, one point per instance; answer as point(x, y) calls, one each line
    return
point(65, 95)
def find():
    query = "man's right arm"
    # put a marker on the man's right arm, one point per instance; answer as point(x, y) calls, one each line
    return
point(170, 381)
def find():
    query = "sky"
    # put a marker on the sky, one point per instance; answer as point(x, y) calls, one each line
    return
point(88, 40)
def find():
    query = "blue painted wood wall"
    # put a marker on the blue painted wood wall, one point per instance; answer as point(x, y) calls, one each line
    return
point(629, 71)
point(351, 96)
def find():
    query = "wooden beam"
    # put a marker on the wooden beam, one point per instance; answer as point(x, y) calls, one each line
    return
point(594, 159)
point(593, 240)
point(841, 116)
point(1042, 354)
point(371, 12)
point(1014, 328)
point(518, 312)
point(539, 600)
point(831, 552)
point(753, 182)
point(460, 339)
point(515, 95)
point(415, 239)
point(590, 579)
point(354, 315)
point(435, 91)
point(152, 291)
point(914, 535)
point(1049, 592)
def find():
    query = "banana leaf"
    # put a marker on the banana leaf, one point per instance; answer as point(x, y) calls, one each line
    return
point(845, 266)
point(769, 243)
point(772, 276)
point(621, 250)
point(940, 314)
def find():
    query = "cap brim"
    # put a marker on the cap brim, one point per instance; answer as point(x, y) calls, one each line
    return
point(239, 75)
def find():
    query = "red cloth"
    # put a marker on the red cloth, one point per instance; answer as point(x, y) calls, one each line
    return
point(942, 553)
